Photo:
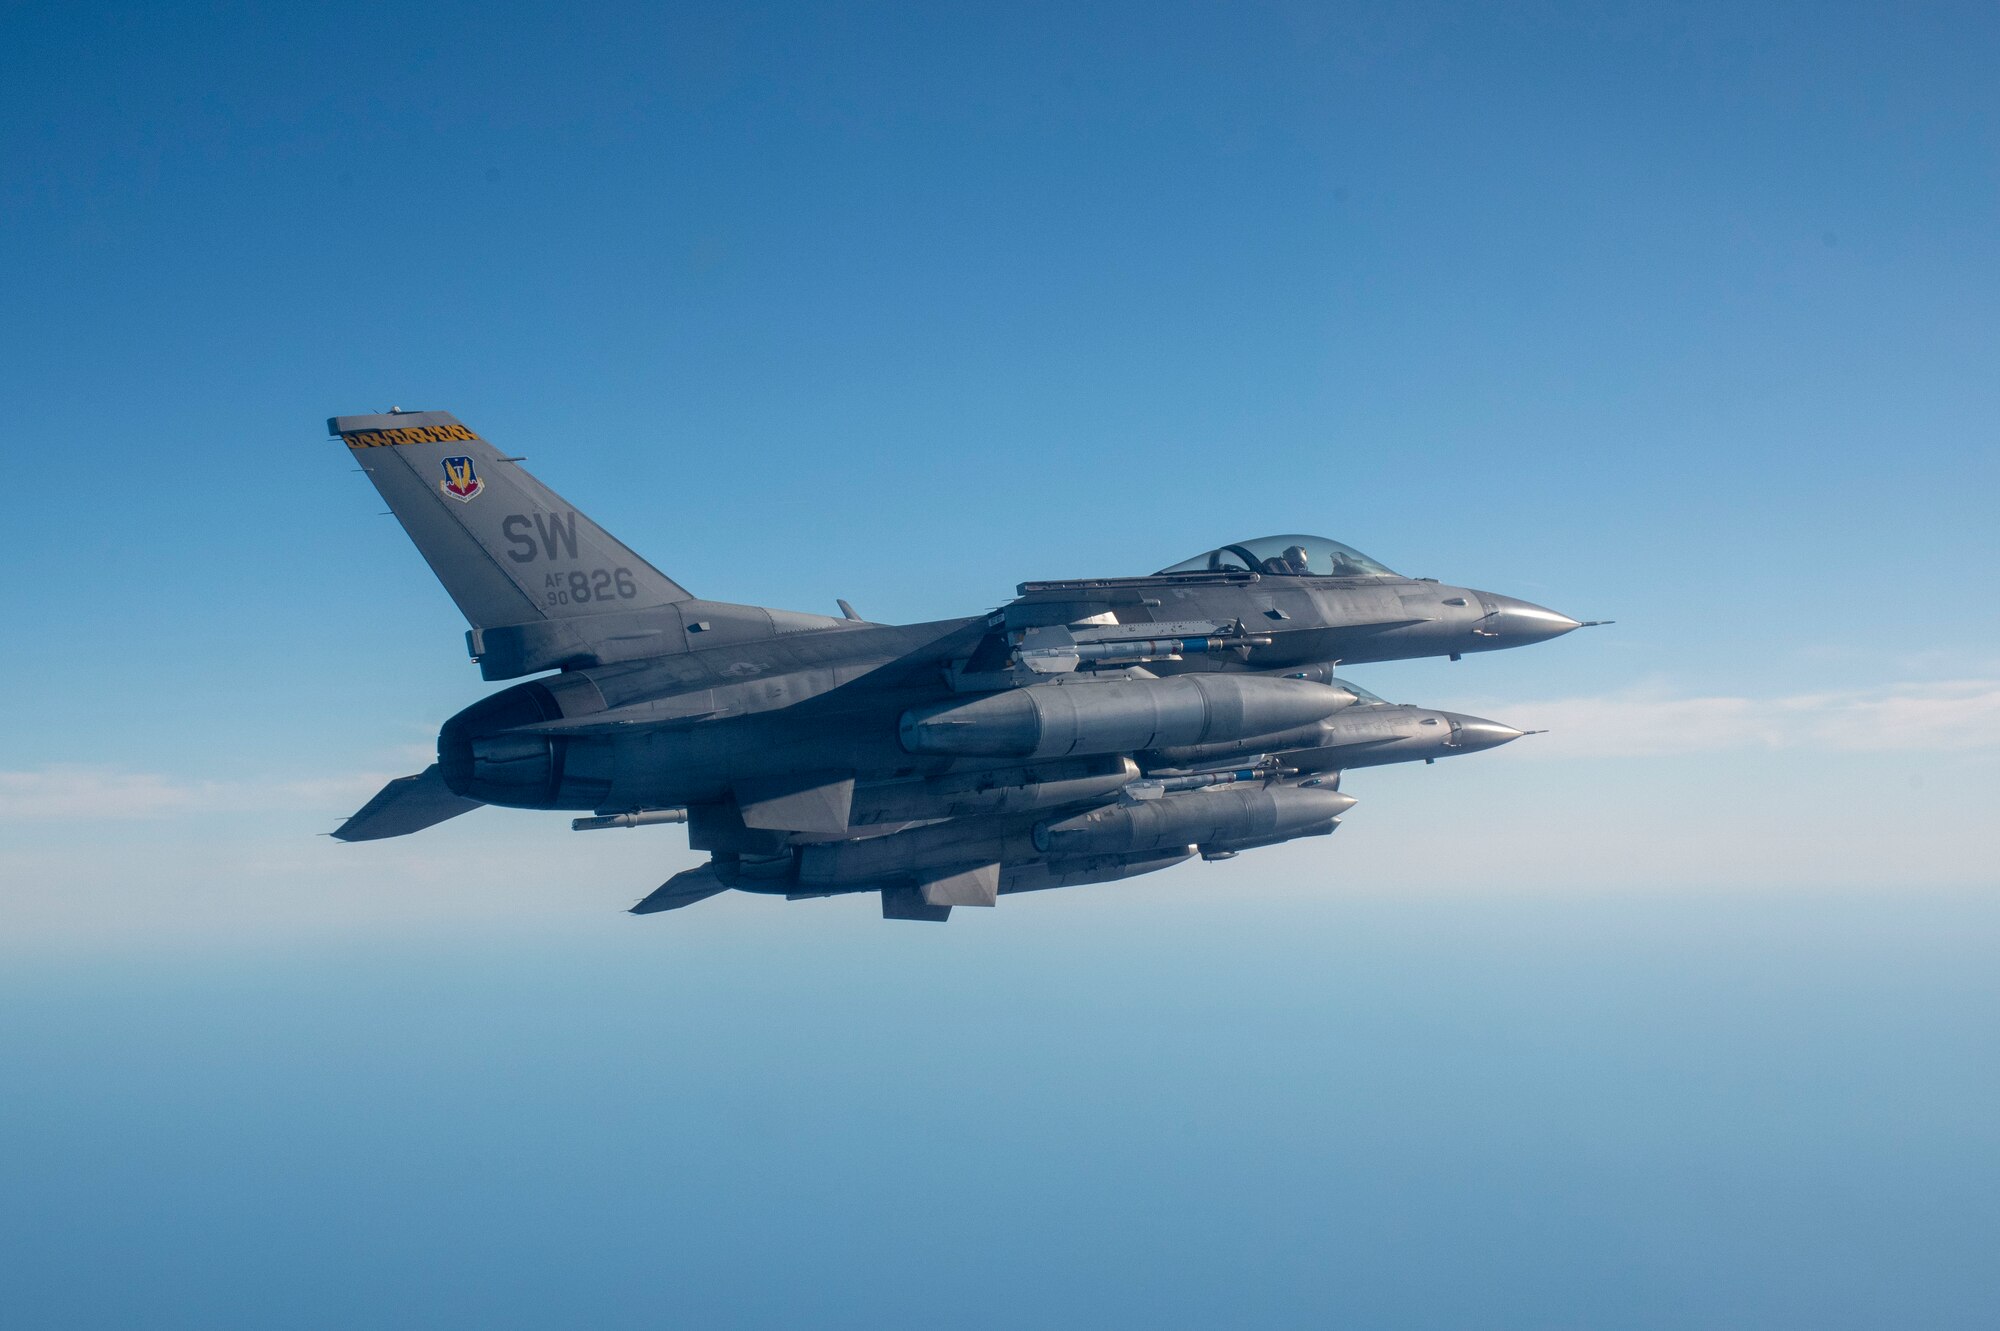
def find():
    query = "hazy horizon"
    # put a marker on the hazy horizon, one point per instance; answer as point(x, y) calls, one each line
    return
point(1679, 1015)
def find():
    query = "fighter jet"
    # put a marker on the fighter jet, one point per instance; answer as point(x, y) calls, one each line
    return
point(1088, 730)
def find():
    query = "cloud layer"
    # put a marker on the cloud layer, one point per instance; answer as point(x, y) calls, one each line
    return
point(1952, 716)
point(65, 793)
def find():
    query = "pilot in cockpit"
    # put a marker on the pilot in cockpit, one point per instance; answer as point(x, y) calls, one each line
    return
point(1291, 563)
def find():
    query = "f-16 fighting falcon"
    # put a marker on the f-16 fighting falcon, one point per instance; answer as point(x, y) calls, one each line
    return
point(1089, 730)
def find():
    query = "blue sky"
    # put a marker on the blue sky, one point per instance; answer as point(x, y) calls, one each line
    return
point(1681, 315)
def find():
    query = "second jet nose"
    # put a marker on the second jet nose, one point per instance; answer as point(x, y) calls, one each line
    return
point(1512, 623)
point(1332, 803)
point(1469, 734)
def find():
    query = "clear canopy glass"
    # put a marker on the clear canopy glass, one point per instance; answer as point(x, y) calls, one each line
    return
point(1286, 556)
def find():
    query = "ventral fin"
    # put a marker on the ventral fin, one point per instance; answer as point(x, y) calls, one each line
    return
point(907, 903)
point(976, 886)
point(802, 802)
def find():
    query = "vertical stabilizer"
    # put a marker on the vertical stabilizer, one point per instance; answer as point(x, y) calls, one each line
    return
point(507, 548)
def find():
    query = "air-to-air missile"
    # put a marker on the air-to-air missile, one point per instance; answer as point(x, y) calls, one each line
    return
point(1088, 730)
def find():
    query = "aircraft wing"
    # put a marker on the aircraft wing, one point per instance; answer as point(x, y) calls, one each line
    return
point(407, 804)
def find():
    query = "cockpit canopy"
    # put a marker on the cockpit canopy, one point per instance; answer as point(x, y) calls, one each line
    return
point(1286, 556)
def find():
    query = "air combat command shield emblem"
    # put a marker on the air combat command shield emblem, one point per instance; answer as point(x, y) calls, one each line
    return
point(459, 480)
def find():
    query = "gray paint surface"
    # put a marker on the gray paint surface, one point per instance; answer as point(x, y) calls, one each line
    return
point(1090, 730)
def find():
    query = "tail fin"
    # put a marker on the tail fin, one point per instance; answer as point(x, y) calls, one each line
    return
point(508, 549)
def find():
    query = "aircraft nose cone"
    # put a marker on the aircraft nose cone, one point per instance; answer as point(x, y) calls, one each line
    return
point(1517, 622)
point(1472, 733)
point(1334, 802)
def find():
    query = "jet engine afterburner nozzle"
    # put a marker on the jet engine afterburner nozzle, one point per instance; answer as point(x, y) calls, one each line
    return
point(497, 751)
point(1118, 716)
point(485, 756)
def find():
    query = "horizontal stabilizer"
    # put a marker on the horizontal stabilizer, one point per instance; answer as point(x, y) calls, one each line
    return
point(683, 889)
point(407, 804)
